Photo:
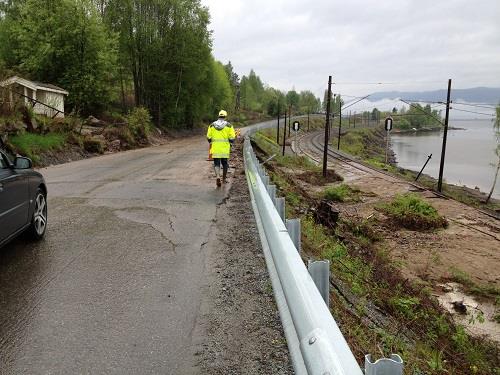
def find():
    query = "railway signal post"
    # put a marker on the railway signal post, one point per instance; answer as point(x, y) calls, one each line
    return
point(327, 126)
point(388, 128)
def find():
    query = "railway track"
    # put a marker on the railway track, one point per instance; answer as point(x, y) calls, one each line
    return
point(311, 144)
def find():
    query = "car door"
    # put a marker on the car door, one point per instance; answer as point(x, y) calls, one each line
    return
point(14, 199)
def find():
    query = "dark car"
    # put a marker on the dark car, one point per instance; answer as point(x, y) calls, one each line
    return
point(23, 199)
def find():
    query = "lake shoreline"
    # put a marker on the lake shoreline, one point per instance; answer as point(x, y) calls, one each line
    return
point(470, 158)
point(422, 130)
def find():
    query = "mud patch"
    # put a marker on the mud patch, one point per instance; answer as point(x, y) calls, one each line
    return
point(478, 317)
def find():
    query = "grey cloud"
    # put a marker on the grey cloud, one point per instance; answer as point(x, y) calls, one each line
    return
point(417, 44)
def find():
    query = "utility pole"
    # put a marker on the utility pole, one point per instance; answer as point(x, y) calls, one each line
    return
point(289, 118)
point(327, 126)
point(238, 97)
point(445, 135)
point(278, 129)
point(340, 122)
point(354, 120)
point(332, 120)
point(284, 134)
point(238, 101)
point(308, 111)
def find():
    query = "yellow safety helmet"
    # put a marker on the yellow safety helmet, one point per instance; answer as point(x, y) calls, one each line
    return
point(222, 113)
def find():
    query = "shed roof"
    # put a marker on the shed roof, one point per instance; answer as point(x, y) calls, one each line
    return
point(33, 85)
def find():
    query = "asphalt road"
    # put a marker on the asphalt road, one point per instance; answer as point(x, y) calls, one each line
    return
point(117, 285)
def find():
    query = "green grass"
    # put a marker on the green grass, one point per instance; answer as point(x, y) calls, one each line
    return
point(31, 145)
point(341, 193)
point(270, 147)
point(412, 212)
point(359, 263)
point(487, 291)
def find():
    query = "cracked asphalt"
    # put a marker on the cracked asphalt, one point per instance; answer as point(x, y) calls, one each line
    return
point(118, 284)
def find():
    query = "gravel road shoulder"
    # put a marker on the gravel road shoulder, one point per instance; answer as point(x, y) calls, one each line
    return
point(244, 333)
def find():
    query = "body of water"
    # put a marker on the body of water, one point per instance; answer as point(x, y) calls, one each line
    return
point(470, 153)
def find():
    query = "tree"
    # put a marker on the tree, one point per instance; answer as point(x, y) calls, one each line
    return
point(308, 103)
point(222, 93)
point(165, 46)
point(497, 151)
point(325, 100)
point(63, 42)
point(273, 98)
point(419, 116)
point(375, 114)
point(292, 99)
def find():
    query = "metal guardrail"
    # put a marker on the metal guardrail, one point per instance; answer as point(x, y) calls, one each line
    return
point(315, 342)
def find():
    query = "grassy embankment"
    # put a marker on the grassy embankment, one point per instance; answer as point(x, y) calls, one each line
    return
point(32, 145)
point(378, 310)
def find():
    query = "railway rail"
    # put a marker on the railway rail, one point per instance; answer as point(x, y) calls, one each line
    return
point(314, 142)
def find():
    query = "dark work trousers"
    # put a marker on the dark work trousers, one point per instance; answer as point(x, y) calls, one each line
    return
point(225, 165)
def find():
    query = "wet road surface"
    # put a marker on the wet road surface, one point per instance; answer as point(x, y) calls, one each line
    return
point(117, 285)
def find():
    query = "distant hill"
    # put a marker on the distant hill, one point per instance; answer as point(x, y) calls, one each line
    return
point(474, 95)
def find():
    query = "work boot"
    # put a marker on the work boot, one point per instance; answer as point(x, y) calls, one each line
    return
point(224, 175)
point(218, 182)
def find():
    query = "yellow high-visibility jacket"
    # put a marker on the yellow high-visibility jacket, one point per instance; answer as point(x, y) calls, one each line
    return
point(220, 134)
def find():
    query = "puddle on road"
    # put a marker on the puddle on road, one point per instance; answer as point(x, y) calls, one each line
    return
point(478, 319)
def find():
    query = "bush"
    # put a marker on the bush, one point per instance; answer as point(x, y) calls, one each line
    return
point(93, 145)
point(341, 193)
point(12, 125)
point(139, 122)
point(119, 132)
point(410, 211)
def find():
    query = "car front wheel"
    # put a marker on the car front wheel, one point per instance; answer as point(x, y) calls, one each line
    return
point(39, 220)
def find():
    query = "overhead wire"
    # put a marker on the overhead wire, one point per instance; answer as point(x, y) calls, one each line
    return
point(422, 101)
point(475, 105)
point(477, 113)
point(352, 103)
point(421, 110)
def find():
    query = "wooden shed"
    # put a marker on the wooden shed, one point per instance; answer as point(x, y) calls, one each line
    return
point(46, 99)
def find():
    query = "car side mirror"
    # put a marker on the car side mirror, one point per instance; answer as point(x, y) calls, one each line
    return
point(22, 163)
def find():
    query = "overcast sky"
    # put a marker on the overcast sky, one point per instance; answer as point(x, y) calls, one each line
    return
point(407, 45)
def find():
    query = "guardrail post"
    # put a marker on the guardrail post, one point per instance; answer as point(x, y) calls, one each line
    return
point(316, 344)
point(280, 206)
point(262, 169)
point(293, 228)
point(320, 273)
point(271, 189)
point(384, 366)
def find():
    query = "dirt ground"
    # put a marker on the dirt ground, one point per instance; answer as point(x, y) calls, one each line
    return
point(244, 335)
point(471, 242)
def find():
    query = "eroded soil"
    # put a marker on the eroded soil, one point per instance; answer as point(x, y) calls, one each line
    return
point(469, 245)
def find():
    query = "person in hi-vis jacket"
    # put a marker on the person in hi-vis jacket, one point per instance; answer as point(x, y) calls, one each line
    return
point(221, 135)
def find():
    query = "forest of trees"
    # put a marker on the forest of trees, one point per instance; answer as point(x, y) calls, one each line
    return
point(112, 55)
point(418, 116)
